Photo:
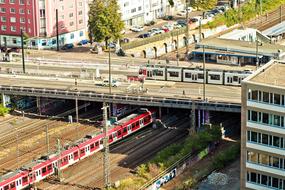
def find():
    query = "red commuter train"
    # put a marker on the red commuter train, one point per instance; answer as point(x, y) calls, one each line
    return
point(48, 165)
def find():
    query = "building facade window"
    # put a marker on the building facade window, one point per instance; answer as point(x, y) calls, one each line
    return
point(13, 28)
point(12, 10)
point(12, 19)
point(3, 19)
point(22, 20)
point(12, 1)
point(3, 27)
point(21, 11)
point(2, 1)
point(3, 10)
point(22, 2)
point(265, 180)
point(265, 139)
point(266, 97)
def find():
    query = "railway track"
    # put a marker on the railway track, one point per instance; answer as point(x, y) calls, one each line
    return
point(141, 142)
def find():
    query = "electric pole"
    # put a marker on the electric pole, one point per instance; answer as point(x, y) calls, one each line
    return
point(177, 46)
point(110, 78)
point(57, 34)
point(59, 160)
point(47, 139)
point(204, 74)
point(106, 148)
point(23, 55)
point(187, 28)
point(193, 115)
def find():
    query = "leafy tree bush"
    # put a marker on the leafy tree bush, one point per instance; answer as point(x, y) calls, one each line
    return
point(3, 110)
point(247, 12)
point(226, 156)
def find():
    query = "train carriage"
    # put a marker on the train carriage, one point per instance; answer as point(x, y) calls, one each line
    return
point(174, 74)
point(235, 77)
point(154, 73)
point(215, 77)
point(48, 165)
point(193, 75)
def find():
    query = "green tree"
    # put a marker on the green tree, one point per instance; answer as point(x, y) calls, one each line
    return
point(105, 20)
point(171, 3)
point(203, 4)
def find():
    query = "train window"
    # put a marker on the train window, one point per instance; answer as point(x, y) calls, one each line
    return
point(129, 127)
point(147, 119)
point(214, 77)
point(97, 144)
point(173, 74)
point(235, 78)
point(92, 146)
point(20, 181)
point(188, 75)
point(125, 130)
point(6, 187)
point(82, 151)
point(110, 137)
point(12, 185)
point(133, 125)
point(49, 167)
point(25, 179)
point(75, 154)
point(101, 141)
point(44, 170)
point(17, 184)
point(114, 135)
point(159, 73)
point(200, 76)
point(119, 133)
point(137, 123)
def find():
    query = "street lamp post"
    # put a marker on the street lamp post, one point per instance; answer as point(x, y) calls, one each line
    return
point(110, 84)
point(187, 28)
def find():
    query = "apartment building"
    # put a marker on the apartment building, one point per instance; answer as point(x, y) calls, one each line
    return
point(139, 12)
point(263, 128)
point(38, 19)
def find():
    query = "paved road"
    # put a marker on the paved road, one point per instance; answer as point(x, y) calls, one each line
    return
point(155, 88)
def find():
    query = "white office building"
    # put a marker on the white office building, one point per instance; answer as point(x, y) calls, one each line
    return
point(263, 128)
point(139, 12)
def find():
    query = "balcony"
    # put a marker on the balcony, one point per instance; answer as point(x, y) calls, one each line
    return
point(256, 186)
point(264, 168)
point(271, 128)
point(266, 106)
point(265, 148)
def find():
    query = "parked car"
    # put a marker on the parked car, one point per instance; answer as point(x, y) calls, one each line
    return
point(3, 49)
point(182, 13)
point(125, 40)
point(155, 31)
point(165, 29)
point(181, 22)
point(177, 26)
point(168, 17)
point(195, 19)
point(168, 26)
point(14, 49)
point(145, 35)
point(137, 28)
point(112, 45)
point(82, 42)
point(150, 23)
point(67, 46)
point(114, 83)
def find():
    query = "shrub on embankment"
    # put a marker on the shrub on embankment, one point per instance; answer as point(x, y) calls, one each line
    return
point(169, 155)
point(247, 12)
point(3, 110)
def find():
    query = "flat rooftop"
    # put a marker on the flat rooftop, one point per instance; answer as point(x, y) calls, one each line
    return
point(271, 74)
point(265, 49)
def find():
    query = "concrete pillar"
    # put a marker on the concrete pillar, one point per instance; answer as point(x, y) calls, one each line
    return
point(3, 99)
point(207, 116)
point(159, 112)
point(39, 105)
point(199, 119)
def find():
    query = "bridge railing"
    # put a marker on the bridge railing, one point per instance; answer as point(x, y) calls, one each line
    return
point(120, 98)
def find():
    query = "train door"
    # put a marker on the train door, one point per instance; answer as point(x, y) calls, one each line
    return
point(149, 74)
point(125, 131)
point(230, 80)
point(194, 77)
point(82, 152)
point(141, 123)
point(129, 129)
point(25, 181)
point(119, 134)
point(75, 155)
